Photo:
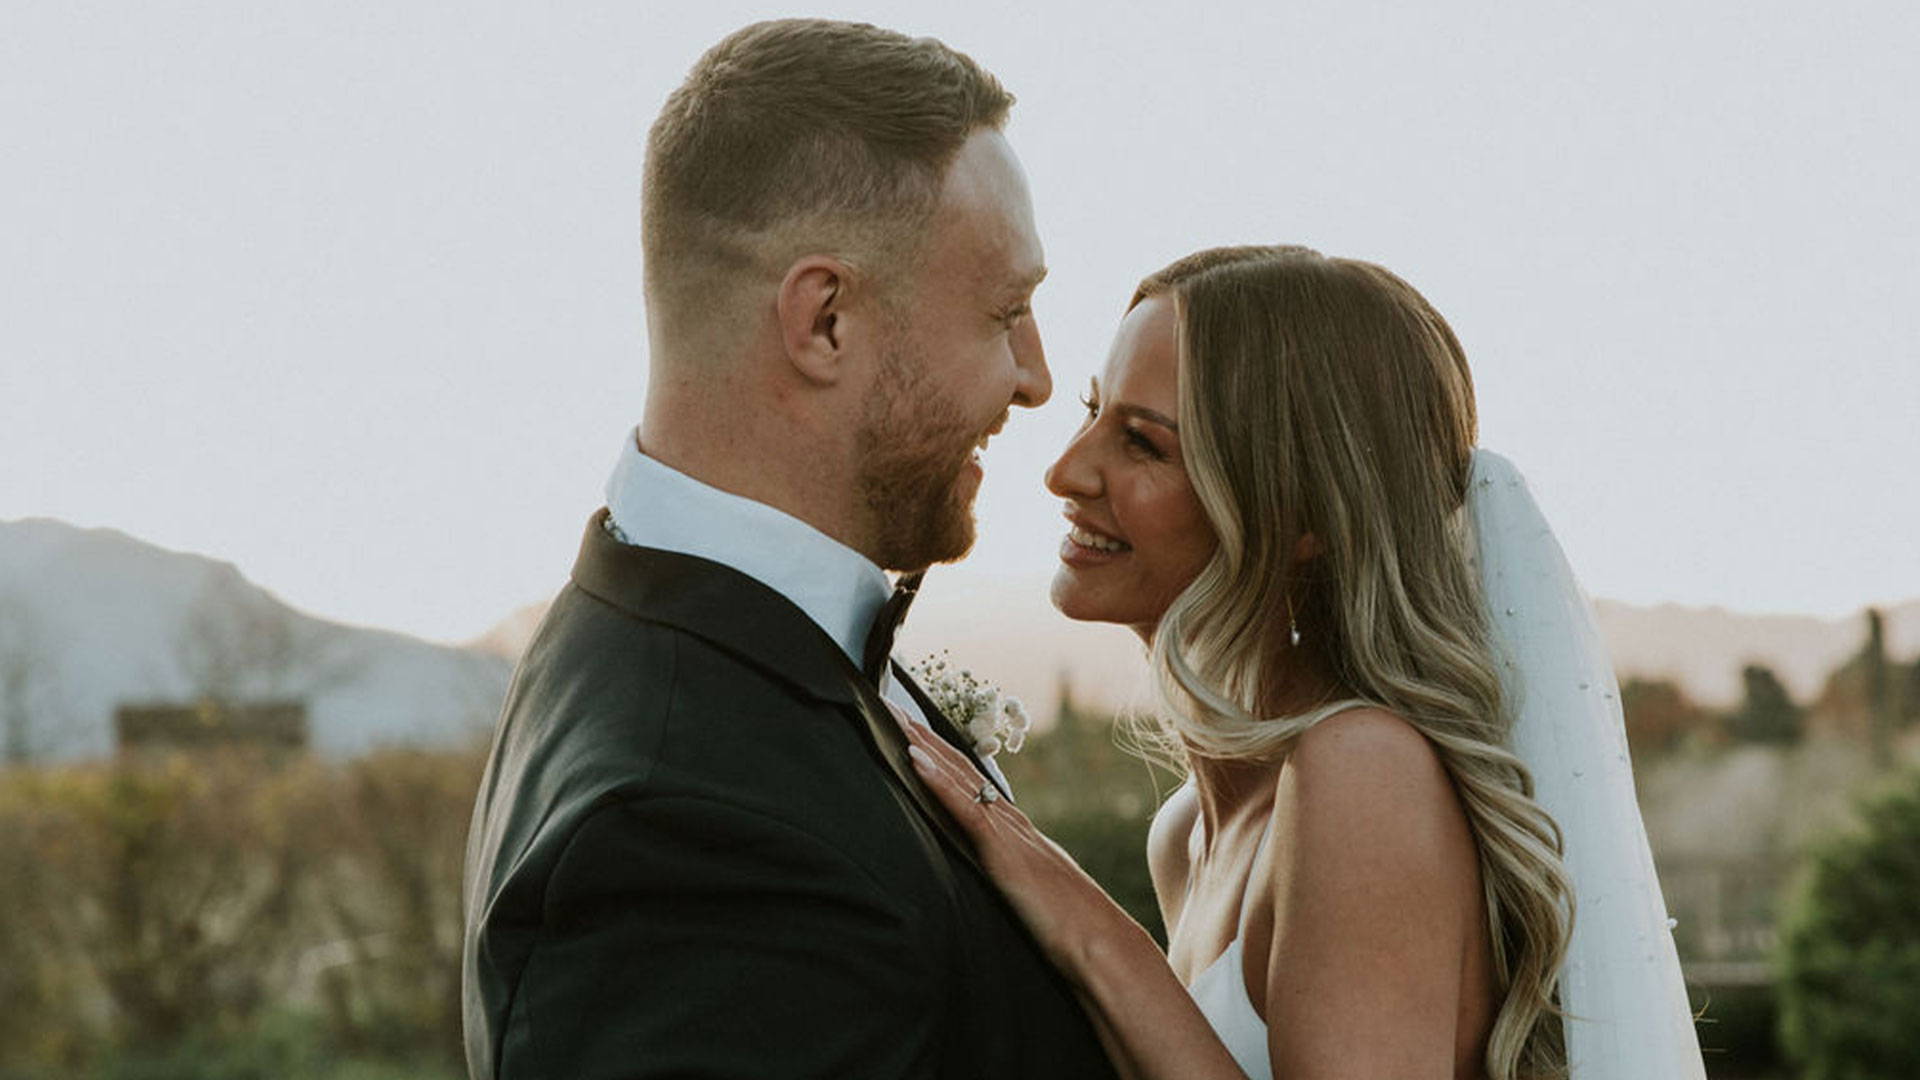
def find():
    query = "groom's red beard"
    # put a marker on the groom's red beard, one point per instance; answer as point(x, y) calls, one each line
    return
point(914, 481)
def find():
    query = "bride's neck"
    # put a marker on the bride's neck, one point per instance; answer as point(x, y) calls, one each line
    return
point(1233, 791)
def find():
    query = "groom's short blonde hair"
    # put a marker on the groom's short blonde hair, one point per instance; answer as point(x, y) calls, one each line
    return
point(798, 137)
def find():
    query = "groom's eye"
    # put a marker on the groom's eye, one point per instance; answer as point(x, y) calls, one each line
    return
point(1013, 314)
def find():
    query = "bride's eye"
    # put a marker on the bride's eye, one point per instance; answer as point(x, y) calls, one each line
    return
point(1093, 407)
point(1143, 444)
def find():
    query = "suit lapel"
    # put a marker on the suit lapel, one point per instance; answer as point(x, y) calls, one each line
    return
point(891, 743)
point(751, 621)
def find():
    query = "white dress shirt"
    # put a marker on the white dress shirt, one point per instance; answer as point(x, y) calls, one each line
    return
point(653, 505)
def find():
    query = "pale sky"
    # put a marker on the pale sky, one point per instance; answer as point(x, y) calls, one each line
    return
point(348, 293)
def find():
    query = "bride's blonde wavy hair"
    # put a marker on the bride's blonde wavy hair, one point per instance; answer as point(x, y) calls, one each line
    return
point(1326, 397)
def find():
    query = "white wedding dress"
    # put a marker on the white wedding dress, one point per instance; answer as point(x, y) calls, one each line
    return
point(1221, 992)
point(1620, 986)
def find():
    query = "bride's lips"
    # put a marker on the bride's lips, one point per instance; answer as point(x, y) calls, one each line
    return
point(1086, 546)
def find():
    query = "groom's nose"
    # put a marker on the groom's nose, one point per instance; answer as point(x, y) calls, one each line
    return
point(1035, 384)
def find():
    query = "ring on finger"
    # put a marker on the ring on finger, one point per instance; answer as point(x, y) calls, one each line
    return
point(987, 793)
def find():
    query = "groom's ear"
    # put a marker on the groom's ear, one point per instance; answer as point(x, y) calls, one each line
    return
point(811, 308)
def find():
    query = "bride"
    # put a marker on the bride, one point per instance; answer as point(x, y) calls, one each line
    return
point(1406, 769)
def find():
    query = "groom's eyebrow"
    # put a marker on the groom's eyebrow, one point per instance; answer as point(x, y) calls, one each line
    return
point(1145, 413)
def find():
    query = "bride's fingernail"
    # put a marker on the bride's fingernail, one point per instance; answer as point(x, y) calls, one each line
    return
point(920, 757)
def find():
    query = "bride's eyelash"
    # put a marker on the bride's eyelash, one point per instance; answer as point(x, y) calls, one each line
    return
point(1135, 437)
point(1145, 444)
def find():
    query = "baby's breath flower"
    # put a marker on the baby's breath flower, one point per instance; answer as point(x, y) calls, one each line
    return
point(991, 720)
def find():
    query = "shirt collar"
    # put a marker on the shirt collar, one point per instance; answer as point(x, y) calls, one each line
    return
point(651, 504)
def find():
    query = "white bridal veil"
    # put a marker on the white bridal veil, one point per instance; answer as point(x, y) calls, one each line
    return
point(1621, 988)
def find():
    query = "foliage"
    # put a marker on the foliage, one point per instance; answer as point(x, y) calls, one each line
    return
point(284, 1046)
point(1736, 1026)
point(1112, 848)
point(1850, 950)
point(29, 667)
point(392, 891)
point(1907, 701)
point(1095, 798)
point(1767, 713)
point(1661, 718)
point(161, 905)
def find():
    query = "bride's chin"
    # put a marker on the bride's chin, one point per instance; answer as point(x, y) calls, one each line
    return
point(1070, 599)
point(1081, 604)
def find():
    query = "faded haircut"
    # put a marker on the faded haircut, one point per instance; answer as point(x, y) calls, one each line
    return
point(797, 137)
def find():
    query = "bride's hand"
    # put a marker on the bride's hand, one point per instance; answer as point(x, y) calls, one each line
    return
point(1065, 909)
point(1147, 1021)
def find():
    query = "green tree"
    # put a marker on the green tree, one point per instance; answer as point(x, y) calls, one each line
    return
point(1880, 704)
point(1850, 949)
point(1660, 717)
point(1767, 713)
point(1909, 706)
point(1084, 786)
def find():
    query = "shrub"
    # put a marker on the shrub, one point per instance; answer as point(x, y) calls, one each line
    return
point(1850, 949)
point(156, 912)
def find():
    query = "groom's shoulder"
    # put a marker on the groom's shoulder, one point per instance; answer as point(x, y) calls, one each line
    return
point(606, 705)
point(608, 710)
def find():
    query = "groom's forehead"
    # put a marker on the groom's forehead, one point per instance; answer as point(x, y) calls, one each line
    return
point(986, 217)
point(993, 252)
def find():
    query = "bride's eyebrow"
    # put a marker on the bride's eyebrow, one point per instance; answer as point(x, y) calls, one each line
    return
point(1144, 413)
point(1125, 409)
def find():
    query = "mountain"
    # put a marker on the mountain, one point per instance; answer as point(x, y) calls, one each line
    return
point(1703, 649)
point(1009, 633)
point(92, 618)
point(508, 638)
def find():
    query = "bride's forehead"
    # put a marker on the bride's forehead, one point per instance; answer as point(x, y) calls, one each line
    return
point(1146, 351)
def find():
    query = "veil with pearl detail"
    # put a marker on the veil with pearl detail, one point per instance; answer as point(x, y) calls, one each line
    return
point(1620, 987)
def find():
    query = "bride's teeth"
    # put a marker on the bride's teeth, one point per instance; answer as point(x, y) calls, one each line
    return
point(1099, 543)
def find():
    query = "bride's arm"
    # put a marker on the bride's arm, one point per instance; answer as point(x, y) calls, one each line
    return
point(1147, 1020)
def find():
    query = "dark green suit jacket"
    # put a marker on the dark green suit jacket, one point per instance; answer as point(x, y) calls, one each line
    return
point(698, 851)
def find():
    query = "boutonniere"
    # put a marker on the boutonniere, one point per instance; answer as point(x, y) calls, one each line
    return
point(991, 720)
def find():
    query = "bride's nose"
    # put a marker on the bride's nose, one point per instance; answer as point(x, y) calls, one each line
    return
point(1075, 475)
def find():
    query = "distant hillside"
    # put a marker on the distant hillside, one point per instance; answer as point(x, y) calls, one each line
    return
point(508, 638)
point(96, 618)
point(1703, 649)
point(1011, 634)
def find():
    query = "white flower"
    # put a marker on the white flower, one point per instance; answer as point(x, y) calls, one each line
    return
point(990, 720)
point(982, 727)
point(1016, 725)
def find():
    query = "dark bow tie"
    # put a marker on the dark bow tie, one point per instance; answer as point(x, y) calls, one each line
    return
point(887, 623)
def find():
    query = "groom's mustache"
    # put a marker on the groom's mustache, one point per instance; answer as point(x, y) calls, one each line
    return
point(993, 429)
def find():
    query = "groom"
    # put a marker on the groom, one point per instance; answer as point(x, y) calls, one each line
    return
point(698, 849)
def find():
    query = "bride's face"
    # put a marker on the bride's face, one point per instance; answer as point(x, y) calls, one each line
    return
point(1138, 535)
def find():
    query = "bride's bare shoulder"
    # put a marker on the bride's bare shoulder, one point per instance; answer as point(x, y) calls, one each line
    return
point(1361, 731)
point(1367, 774)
